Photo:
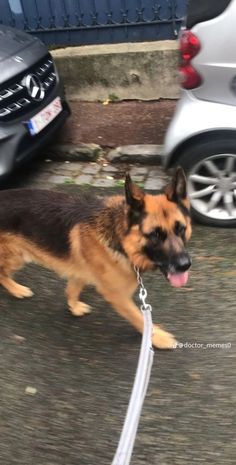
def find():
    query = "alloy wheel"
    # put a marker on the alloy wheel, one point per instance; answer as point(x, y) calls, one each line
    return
point(212, 187)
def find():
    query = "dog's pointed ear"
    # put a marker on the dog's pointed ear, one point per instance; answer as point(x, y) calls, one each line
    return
point(134, 194)
point(177, 189)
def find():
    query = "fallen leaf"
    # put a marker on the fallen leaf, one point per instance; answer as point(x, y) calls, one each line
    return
point(18, 338)
point(186, 289)
point(194, 376)
point(230, 273)
point(209, 258)
point(30, 390)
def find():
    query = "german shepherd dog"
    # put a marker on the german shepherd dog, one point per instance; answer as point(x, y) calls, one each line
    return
point(98, 242)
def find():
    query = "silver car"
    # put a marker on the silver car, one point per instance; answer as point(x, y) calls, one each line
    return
point(202, 134)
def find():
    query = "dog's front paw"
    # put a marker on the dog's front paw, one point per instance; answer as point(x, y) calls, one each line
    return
point(21, 291)
point(161, 339)
point(80, 309)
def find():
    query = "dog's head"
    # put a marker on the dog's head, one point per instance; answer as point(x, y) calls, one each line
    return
point(158, 227)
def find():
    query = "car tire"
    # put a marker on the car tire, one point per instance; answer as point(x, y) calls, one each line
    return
point(210, 153)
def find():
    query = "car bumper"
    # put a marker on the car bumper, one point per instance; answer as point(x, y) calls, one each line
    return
point(16, 143)
point(192, 118)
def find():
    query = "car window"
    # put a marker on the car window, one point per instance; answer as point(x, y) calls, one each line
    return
point(203, 10)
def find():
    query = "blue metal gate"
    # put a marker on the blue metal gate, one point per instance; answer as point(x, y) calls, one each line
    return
point(95, 21)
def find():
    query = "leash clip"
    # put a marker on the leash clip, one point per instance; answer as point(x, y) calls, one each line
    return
point(142, 292)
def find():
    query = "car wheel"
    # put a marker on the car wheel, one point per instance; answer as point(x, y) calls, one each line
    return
point(211, 171)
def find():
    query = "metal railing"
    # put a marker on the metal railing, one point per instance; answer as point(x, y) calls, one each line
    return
point(95, 21)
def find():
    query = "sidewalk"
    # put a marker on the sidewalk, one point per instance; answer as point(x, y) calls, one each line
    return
point(115, 124)
point(108, 126)
point(47, 174)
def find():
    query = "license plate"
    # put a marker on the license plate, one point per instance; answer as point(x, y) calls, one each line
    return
point(44, 117)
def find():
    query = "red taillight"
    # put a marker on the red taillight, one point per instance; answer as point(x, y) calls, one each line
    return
point(189, 47)
point(190, 78)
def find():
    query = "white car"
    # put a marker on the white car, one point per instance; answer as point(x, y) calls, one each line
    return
point(202, 134)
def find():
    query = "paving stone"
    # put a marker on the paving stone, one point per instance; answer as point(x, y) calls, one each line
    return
point(109, 169)
point(55, 168)
point(138, 177)
point(145, 154)
point(103, 182)
point(155, 172)
point(72, 166)
point(83, 179)
point(154, 183)
point(91, 169)
point(57, 179)
point(137, 170)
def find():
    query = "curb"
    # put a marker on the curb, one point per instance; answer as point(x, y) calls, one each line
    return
point(69, 152)
point(145, 154)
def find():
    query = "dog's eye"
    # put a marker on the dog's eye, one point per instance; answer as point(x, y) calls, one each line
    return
point(179, 229)
point(152, 235)
point(156, 234)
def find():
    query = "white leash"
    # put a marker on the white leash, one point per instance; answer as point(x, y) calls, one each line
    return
point(143, 372)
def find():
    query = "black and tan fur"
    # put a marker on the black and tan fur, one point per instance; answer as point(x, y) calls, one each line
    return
point(95, 242)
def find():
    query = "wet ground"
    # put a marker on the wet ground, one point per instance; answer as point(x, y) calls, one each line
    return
point(65, 382)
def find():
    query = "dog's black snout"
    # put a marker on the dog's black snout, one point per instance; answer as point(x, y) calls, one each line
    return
point(183, 262)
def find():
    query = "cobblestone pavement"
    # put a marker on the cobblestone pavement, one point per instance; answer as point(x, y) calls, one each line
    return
point(48, 174)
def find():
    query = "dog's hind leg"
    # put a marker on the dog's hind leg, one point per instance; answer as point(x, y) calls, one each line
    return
point(9, 263)
point(73, 290)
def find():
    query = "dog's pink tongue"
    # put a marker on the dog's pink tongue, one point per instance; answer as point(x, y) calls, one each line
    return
point(178, 279)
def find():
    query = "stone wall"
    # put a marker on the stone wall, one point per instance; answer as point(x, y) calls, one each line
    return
point(142, 71)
